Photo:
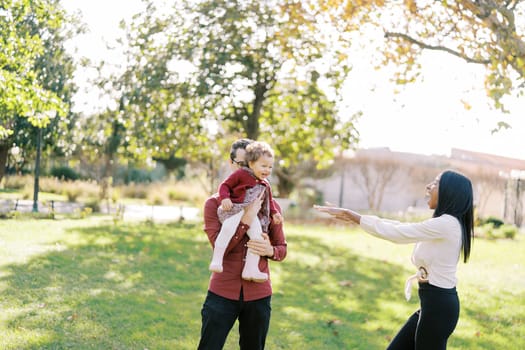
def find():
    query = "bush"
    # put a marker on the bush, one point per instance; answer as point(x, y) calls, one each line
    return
point(72, 193)
point(484, 231)
point(156, 200)
point(493, 220)
point(176, 194)
point(134, 191)
point(93, 204)
point(27, 192)
point(64, 173)
point(165, 192)
point(51, 185)
point(507, 231)
point(306, 196)
point(133, 176)
point(18, 182)
point(490, 231)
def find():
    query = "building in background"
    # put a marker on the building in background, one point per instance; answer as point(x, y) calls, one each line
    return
point(379, 180)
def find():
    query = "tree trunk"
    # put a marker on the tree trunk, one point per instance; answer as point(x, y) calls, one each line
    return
point(252, 123)
point(112, 146)
point(106, 177)
point(286, 184)
point(4, 150)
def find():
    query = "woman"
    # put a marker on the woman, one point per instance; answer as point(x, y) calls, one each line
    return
point(440, 241)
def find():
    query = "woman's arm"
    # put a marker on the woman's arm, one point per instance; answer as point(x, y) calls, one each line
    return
point(340, 213)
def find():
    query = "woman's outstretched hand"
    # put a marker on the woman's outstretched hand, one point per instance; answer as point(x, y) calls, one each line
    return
point(340, 213)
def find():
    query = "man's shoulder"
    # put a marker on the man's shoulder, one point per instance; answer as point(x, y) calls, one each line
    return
point(213, 200)
point(242, 172)
point(235, 176)
point(276, 205)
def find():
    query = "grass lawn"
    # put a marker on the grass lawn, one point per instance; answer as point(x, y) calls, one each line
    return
point(91, 284)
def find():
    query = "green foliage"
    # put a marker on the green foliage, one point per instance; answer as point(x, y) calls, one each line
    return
point(64, 173)
point(165, 192)
point(180, 193)
point(206, 72)
point(17, 182)
point(508, 231)
point(72, 192)
point(491, 230)
point(496, 222)
point(84, 213)
point(188, 193)
point(174, 165)
point(23, 94)
point(306, 196)
point(36, 78)
point(93, 204)
point(138, 191)
point(134, 175)
point(495, 228)
point(489, 34)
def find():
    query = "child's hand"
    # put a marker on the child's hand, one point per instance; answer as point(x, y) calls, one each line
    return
point(277, 218)
point(226, 204)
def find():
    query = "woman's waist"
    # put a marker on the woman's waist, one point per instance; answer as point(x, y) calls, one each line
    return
point(427, 286)
point(440, 278)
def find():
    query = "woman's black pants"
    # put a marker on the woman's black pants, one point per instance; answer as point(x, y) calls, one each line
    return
point(429, 327)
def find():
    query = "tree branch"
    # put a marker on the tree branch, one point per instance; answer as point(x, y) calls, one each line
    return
point(434, 47)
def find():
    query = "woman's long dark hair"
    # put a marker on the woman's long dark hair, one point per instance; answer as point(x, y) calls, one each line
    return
point(455, 197)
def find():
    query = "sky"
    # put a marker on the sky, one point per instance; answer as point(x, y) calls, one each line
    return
point(425, 117)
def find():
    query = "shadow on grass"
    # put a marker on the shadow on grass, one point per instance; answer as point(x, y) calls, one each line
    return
point(119, 287)
point(138, 286)
point(328, 297)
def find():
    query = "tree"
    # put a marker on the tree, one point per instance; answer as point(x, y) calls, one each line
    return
point(486, 181)
point(483, 32)
point(374, 176)
point(262, 69)
point(34, 71)
point(300, 124)
point(154, 115)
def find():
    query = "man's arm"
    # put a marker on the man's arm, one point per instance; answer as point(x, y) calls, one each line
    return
point(212, 225)
point(277, 238)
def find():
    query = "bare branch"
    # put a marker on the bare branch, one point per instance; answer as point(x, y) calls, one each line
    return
point(434, 47)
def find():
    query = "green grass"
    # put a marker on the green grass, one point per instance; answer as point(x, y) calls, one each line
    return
point(90, 284)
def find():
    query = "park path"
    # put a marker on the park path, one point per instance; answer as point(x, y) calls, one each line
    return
point(127, 212)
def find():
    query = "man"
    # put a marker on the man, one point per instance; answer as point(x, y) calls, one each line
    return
point(230, 297)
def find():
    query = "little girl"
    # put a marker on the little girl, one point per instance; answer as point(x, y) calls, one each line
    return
point(235, 193)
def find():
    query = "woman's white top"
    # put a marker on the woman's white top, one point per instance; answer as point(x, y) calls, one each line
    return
point(437, 250)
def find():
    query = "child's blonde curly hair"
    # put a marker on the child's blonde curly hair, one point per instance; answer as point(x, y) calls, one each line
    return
point(256, 150)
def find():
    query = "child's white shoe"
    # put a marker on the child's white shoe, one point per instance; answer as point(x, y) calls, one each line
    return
point(251, 269)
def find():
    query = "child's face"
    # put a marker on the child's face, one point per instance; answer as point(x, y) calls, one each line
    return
point(262, 167)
